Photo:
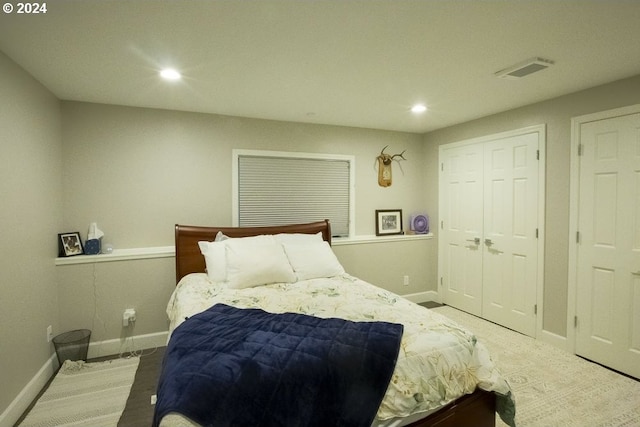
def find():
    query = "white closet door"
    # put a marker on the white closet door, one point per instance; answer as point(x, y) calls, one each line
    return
point(488, 243)
point(510, 247)
point(461, 213)
point(608, 254)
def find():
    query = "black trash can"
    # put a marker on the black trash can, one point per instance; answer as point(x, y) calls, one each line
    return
point(72, 345)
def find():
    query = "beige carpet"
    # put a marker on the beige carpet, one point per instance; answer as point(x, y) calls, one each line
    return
point(85, 394)
point(553, 387)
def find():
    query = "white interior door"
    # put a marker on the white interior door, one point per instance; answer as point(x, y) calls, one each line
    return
point(461, 186)
point(488, 243)
point(608, 250)
point(510, 248)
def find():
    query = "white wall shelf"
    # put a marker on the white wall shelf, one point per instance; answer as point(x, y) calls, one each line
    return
point(170, 251)
point(365, 239)
point(120, 255)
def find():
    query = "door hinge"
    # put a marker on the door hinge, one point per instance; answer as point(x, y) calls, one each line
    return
point(536, 233)
point(535, 309)
point(537, 154)
point(577, 237)
point(579, 149)
point(441, 167)
point(575, 321)
point(441, 281)
point(442, 225)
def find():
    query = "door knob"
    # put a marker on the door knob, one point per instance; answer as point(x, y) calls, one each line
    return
point(488, 242)
point(474, 240)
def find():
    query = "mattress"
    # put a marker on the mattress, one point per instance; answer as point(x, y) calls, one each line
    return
point(438, 362)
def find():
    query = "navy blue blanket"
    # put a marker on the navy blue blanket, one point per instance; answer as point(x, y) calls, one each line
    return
point(246, 367)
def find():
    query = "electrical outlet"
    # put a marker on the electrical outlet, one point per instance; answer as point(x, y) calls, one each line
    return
point(128, 317)
point(49, 333)
point(406, 280)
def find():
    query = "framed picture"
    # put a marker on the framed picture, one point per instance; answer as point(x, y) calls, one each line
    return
point(69, 244)
point(388, 221)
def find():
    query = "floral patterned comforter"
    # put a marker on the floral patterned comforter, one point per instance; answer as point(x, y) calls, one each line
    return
point(439, 360)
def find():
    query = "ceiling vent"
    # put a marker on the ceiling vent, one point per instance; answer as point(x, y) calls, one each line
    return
point(525, 68)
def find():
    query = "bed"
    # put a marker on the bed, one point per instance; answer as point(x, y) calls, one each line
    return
point(442, 376)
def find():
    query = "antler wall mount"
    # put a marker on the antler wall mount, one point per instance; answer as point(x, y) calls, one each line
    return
point(384, 166)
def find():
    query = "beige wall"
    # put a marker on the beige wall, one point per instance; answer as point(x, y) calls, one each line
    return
point(30, 218)
point(94, 296)
point(137, 172)
point(385, 264)
point(556, 114)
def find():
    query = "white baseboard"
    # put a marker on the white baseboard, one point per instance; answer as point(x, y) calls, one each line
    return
point(96, 349)
point(127, 345)
point(15, 410)
point(555, 340)
point(422, 296)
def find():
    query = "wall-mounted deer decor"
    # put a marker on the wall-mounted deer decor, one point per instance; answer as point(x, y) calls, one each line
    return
point(384, 166)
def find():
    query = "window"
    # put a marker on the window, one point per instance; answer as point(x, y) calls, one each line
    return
point(277, 188)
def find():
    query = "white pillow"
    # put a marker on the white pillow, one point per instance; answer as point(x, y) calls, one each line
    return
point(313, 260)
point(254, 261)
point(298, 237)
point(215, 258)
point(221, 237)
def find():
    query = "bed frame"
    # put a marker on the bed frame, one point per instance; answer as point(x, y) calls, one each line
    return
point(473, 410)
point(190, 260)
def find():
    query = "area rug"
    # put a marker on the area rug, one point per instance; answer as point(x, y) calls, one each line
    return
point(553, 387)
point(85, 394)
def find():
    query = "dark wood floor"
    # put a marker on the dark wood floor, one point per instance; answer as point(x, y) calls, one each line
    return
point(139, 409)
point(430, 304)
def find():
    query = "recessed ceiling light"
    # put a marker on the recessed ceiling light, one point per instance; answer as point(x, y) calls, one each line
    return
point(418, 108)
point(170, 74)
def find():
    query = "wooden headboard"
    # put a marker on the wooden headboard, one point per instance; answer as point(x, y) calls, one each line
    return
point(190, 260)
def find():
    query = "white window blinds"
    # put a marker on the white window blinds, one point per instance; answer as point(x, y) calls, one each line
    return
point(290, 188)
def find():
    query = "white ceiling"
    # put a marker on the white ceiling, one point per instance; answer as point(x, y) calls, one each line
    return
point(343, 62)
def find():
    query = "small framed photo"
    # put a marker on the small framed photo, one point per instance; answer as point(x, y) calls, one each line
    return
point(388, 221)
point(69, 244)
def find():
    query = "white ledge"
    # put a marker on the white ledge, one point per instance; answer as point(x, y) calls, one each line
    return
point(170, 251)
point(358, 240)
point(120, 255)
